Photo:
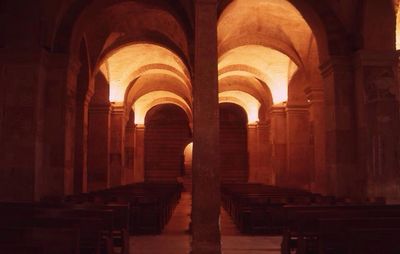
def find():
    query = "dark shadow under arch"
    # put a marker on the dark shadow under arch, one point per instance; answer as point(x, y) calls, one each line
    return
point(234, 161)
point(167, 132)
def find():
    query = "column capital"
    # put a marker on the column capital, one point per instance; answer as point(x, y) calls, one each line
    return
point(314, 94)
point(278, 109)
point(140, 126)
point(101, 108)
point(343, 63)
point(375, 58)
point(297, 108)
point(252, 125)
point(117, 108)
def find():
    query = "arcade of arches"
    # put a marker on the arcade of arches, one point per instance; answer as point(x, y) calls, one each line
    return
point(296, 93)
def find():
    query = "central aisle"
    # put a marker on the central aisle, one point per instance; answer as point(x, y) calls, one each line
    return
point(176, 240)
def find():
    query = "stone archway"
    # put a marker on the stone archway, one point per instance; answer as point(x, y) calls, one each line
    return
point(234, 160)
point(166, 133)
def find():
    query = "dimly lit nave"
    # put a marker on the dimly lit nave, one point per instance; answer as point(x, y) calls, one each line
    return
point(199, 126)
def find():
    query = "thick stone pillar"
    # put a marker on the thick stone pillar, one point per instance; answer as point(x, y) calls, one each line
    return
point(279, 144)
point(253, 152)
point(128, 174)
point(206, 175)
point(81, 143)
point(266, 172)
point(298, 147)
point(341, 136)
point(99, 147)
point(59, 128)
point(22, 84)
point(139, 153)
point(319, 176)
point(117, 144)
point(378, 123)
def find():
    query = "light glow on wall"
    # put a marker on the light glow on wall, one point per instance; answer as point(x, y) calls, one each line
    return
point(250, 104)
point(149, 100)
point(188, 155)
point(275, 68)
point(128, 63)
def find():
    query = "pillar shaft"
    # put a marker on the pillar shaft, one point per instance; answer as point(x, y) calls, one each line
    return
point(279, 144)
point(59, 127)
point(377, 123)
point(22, 85)
point(317, 117)
point(139, 153)
point(264, 146)
point(117, 145)
point(128, 175)
point(81, 144)
point(98, 147)
point(253, 151)
point(341, 138)
point(206, 175)
point(298, 147)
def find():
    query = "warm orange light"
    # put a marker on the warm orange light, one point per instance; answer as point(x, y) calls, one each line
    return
point(129, 62)
point(275, 67)
point(188, 157)
point(149, 100)
point(250, 104)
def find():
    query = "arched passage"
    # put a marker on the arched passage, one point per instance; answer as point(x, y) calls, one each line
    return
point(188, 159)
point(234, 159)
point(167, 132)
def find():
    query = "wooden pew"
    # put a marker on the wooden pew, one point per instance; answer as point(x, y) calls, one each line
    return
point(358, 235)
point(101, 220)
point(150, 204)
point(304, 222)
point(40, 239)
point(254, 207)
point(30, 215)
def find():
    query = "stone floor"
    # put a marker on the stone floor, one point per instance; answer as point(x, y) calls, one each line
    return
point(175, 240)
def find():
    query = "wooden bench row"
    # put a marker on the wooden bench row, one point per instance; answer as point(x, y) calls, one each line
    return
point(252, 206)
point(341, 229)
point(312, 223)
point(150, 204)
point(90, 223)
point(63, 228)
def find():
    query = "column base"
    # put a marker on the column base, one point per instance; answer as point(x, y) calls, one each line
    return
point(206, 248)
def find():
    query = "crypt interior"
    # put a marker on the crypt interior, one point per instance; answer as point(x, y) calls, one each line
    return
point(211, 110)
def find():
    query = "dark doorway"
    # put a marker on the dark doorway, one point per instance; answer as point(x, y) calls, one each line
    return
point(167, 132)
point(233, 143)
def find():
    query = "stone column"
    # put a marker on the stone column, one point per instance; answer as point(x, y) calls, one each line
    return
point(99, 147)
point(266, 172)
point(298, 146)
point(117, 144)
point(206, 176)
point(319, 176)
point(279, 143)
point(378, 123)
point(81, 143)
point(253, 152)
point(128, 175)
point(139, 153)
point(341, 134)
point(59, 127)
point(22, 84)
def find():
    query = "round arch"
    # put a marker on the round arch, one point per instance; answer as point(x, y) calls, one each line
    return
point(148, 101)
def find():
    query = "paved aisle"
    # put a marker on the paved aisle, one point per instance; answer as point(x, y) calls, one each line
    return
point(175, 240)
